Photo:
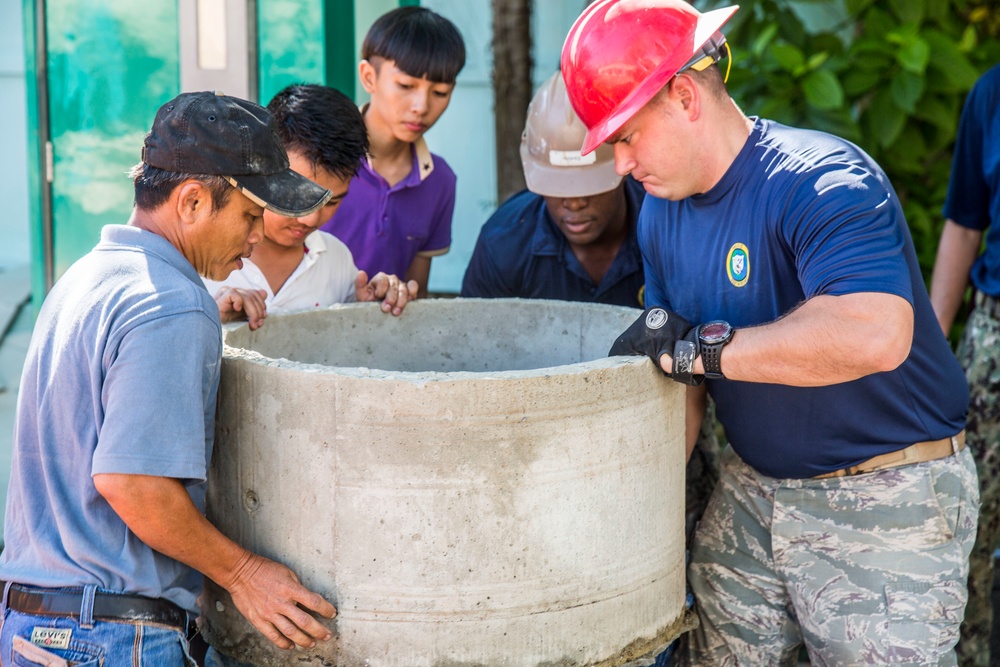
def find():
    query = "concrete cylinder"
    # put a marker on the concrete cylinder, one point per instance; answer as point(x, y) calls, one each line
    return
point(473, 483)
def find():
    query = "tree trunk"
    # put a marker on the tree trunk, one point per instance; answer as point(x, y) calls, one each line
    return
point(511, 89)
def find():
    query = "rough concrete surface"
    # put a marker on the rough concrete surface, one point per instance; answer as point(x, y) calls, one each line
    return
point(480, 486)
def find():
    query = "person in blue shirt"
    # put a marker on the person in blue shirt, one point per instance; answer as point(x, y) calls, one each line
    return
point(571, 234)
point(781, 278)
point(105, 538)
point(971, 211)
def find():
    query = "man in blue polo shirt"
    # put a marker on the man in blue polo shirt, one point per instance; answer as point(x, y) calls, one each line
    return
point(105, 539)
point(782, 278)
point(571, 234)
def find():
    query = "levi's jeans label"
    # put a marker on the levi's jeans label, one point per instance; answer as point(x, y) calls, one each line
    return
point(51, 637)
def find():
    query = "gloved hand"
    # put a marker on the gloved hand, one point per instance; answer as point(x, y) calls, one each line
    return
point(654, 334)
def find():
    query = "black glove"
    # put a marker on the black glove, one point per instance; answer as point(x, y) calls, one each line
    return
point(658, 332)
point(653, 335)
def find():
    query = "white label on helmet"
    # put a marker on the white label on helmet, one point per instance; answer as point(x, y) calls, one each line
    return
point(571, 158)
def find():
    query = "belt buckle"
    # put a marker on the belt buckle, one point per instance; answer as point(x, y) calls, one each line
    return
point(954, 445)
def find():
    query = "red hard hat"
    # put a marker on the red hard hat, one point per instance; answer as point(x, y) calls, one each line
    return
point(620, 53)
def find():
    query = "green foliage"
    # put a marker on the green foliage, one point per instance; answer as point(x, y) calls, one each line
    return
point(890, 76)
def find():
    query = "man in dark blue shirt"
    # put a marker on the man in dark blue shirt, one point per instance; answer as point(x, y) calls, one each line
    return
point(783, 279)
point(571, 234)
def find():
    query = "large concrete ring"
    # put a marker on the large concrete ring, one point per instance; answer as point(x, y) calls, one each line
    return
point(472, 483)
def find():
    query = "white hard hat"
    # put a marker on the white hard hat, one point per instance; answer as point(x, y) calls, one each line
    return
point(550, 148)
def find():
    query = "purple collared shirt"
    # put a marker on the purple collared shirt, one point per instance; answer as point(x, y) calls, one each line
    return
point(387, 227)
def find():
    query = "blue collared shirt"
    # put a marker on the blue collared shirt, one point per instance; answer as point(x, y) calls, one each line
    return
point(120, 377)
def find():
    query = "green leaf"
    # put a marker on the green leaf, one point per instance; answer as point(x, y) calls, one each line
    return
point(909, 11)
point(914, 55)
point(873, 45)
point(937, 11)
point(935, 111)
point(855, 7)
point(858, 81)
point(906, 89)
point(817, 59)
point(878, 23)
point(910, 150)
point(885, 119)
point(947, 60)
point(789, 57)
point(969, 39)
point(876, 63)
point(763, 39)
point(822, 90)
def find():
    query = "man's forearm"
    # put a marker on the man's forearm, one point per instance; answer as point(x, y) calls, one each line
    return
point(161, 514)
point(827, 340)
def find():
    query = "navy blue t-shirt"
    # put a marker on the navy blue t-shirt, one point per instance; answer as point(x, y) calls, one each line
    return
point(801, 213)
point(522, 253)
point(974, 189)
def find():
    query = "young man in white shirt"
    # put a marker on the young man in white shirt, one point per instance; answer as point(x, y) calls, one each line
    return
point(297, 266)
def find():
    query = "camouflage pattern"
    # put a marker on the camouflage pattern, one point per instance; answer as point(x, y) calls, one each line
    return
point(979, 353)
point(702, 471)
point(864, 570)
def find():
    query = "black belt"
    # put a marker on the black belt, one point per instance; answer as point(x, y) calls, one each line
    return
point(107, 606)
point(989, 305)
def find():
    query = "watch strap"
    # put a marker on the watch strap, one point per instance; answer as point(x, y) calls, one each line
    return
point(711, 358)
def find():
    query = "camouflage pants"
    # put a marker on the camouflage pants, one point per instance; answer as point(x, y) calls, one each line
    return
point(865, 570)
point(702, 472)
point(980, 356)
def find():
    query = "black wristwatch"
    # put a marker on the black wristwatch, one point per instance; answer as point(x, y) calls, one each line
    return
point(712, 337)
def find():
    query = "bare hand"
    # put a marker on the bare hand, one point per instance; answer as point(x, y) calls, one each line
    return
point(242, 304)
point(393, 291)
point(270, 596)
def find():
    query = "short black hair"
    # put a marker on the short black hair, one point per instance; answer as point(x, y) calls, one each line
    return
point(323, 124)
point(154, 185)
point(420, 42)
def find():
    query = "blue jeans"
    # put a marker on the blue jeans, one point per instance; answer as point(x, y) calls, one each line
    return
point(86, 642)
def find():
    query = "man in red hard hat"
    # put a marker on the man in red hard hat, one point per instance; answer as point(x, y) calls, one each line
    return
point(782, 279)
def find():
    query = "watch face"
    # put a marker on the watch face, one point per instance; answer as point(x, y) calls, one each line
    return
point(714, 332)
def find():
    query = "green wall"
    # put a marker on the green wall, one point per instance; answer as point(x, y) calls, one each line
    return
point(107, 75)
point(110, 64)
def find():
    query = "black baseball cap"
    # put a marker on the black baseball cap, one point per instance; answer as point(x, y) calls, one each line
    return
point(213, 133)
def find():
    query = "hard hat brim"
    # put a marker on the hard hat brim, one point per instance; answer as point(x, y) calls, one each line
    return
point(587, 181)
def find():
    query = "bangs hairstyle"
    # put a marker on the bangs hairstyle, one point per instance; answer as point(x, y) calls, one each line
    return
point(322, 124)
point(421, 43)
point(154, 185)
